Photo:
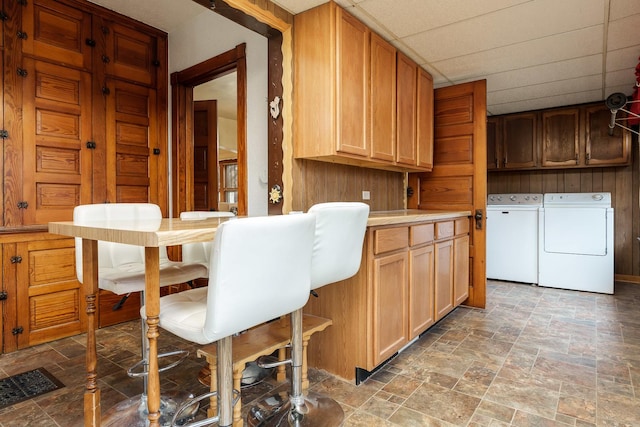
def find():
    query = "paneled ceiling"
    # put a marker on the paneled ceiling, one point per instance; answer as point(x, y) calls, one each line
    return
point(533, 53)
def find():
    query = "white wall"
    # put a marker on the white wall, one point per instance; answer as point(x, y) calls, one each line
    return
point(208, 35)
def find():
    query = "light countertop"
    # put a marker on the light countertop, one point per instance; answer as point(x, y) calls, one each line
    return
point(377, 218)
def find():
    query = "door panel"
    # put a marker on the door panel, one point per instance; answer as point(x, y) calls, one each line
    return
point(132, 165)
point(56, 161)
point(205, 156)
point(459, 177)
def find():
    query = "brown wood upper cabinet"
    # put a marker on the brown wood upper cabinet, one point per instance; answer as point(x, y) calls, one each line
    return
point(571, 137)
point(358, 101)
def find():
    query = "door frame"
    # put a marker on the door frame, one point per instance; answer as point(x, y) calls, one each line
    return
point(182, 84)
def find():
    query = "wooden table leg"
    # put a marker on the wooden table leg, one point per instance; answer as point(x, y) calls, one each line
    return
point(237, 409)
point(152, 307)
point(90, 278)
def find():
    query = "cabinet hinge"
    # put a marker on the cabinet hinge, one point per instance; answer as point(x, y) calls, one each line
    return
point(91, 145)
point(4, 134)
point(22, 35)
point(17, 331)
point(3, 16)
point(16, 259)
point(3, 295)
point(156, 151)
point(23, 205)
point(90, 42)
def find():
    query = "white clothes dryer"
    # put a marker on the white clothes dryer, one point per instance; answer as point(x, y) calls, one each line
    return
point(576, 242)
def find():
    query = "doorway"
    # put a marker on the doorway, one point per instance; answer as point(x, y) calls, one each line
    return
point(184, 85)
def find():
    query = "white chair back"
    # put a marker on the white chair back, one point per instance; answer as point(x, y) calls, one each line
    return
point(121, 266)
point(337, 250)
point(259, 270)
point(200, 252)
point(114, 255)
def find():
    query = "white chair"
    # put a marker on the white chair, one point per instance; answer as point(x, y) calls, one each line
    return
point(259, 270)
point(337, 253)
point(200, 252)
point(121, 270)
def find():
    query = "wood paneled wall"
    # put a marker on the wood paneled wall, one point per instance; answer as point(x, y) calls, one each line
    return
point(318, 182)
point(622, 182)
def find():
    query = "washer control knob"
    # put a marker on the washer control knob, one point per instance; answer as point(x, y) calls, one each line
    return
point(597, 197)
point(512, 198)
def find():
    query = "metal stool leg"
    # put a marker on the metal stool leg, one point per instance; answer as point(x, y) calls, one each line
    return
point(312, 409)
point(133, 412)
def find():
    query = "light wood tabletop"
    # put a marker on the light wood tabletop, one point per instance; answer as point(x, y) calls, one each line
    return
point(151, 235)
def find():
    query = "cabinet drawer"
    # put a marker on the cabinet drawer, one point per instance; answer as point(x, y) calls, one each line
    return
point(422, 233)
point(390, 239)
point(462, 226)
point(444, 229)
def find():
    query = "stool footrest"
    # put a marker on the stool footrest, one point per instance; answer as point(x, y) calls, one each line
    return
point(132, 370)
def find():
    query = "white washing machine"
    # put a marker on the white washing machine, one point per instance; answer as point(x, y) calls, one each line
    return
point(512, 237)
point(576, 242)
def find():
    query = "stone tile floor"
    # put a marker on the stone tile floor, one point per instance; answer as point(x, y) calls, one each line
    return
point(534, 357)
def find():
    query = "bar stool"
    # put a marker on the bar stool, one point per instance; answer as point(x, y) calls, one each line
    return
point(199, 252)
point(121, 271)
point(260, 270)
point(337, 252)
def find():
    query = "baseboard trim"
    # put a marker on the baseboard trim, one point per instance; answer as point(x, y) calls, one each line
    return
point(627, 278)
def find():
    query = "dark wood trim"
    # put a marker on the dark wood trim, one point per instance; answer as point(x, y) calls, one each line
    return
point(275, 131)
point(182, 84)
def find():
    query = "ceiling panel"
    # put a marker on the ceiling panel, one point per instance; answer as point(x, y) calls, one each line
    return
point(533, 53)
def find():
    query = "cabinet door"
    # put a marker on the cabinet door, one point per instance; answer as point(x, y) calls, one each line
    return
point(352, 85)
point(494, 143)
point(406, 105)
point(519, 141)
point(130, 54)
point(424, 115)
point(389, 305)
point(51, 299)
point(603, 149)
point(421, 306)
point(132, 138)
point(443, 278)
point(560, 138)
point(383, 99)
point(58, 33)
point(460, 270)
point(56, 128)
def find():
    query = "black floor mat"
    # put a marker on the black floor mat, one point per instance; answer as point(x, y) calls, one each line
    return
point(27, 385)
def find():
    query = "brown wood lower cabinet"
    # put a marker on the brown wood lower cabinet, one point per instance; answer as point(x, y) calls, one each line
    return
point(411, 275)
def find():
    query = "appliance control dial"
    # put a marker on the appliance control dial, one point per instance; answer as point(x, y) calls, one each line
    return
point(597, 197)
point(512, 198)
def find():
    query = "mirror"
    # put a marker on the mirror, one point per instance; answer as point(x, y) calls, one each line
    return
point(216, 144)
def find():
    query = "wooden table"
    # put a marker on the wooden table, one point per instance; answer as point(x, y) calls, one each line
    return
point(151, 235)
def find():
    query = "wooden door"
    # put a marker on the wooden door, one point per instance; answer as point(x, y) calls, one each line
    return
point(560, 138)
point(424, 117)
point(352, 84)
point(459, 177)
point(57, 32)
point(51, 297)
point(421, 278)
point(601, 148)
point(132, 148)
point(520, 141)
point(57, 164)
point(382, 118)
point(406, 106)
point(443, 278)
point(389, 305)
point(494, 142)
point(205, 155)
point(130, 54)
